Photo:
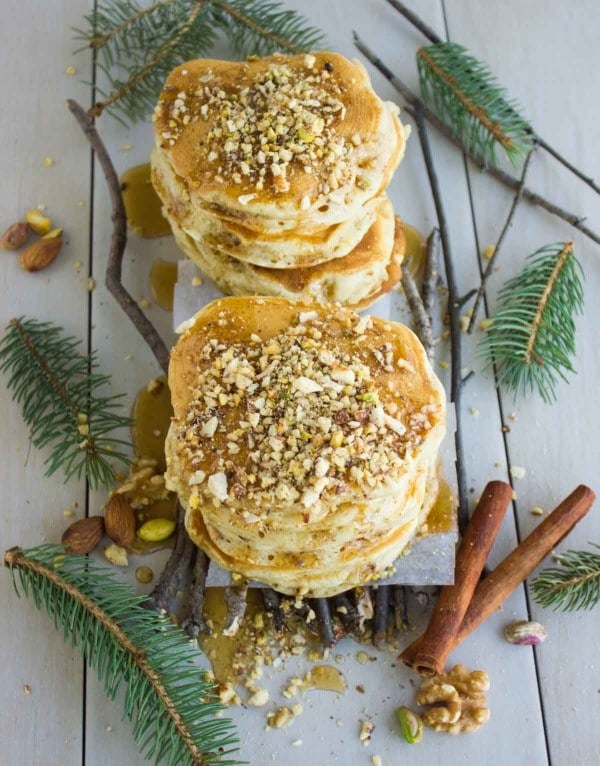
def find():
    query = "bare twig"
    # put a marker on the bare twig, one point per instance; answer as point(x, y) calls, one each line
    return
point(417, 309)
point(175, 569)
point(586, 179)
point(194, 624)
point(456, 379)
point(430, 280)
point(413, 101)
point(381, 617)
point(272, 604)
point(364, 607)
point(321, 607)
point(416, 21)
point(508, 223)
point(399, 599)
point(235, 598)
point(119, 240)
point(346, 611)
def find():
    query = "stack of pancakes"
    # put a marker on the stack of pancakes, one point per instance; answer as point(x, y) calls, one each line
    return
point(273, 174)
point(304, 441)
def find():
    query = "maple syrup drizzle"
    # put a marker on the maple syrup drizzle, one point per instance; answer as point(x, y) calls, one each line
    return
point(143, 206)
point(163, 275)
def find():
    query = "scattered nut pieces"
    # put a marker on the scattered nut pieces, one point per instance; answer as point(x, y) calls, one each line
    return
point(259, 698)
point(411, 724)
point(517, 472)
point(40, 254)
point(144, 303)
point(27, 688)
point(116, 555)
point(70, 70)
point(38, 222)
point(280, 718)
point(119, 520)
point(488, 252)
point(144, 575)
point(228, 695)
point(366, 730)
point(536, 511)
point(47, 162)
point(525, 633)
point(83, 535)
point(156, 530)
point(15, 236)
point(458, 700)
point(91, 284)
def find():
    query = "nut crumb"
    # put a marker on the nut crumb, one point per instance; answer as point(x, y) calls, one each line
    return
point(517, 472)
point(537, 511)
point(27, 688)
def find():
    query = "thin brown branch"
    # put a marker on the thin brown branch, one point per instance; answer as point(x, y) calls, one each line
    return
point(537, 319)
point(399, 600)
point(416, 21)
point(194, 624)
point(456, 379)
point(162, 51)
point(507, 225)
point(477, 111)
point(254, 26)
point(14, 558)
point(175, 569)
point(321, 606)
point(563, 161)
point(430, 280)
point(235, 598)
point(273, 608)
point(413, 101)
point(98, 42)
point(381, 616)
point(421, 321)
point(119, 240)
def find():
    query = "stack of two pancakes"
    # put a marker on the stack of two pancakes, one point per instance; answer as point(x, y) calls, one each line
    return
point(273, 174)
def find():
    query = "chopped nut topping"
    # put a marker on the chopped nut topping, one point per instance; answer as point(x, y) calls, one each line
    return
point(262, 131)
point(305, 418)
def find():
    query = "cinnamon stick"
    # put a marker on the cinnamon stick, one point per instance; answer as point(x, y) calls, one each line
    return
point(512, 571)
point(436, 643)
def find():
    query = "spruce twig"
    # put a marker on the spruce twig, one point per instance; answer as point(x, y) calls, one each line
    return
point(62, 401)
point(170, 703)
point(433, 37)
point(505, 229)
point(137, 47)
point(531, 339)
point(575, 220)
point(574, 584)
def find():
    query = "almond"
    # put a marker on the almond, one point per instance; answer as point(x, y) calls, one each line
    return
point(119, 521)
point(83, 535)
point(41, 253)
point(38, 222)
point(14, 236)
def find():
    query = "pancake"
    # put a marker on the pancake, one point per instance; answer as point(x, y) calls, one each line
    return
point(278, 139)
point(304, 440)
point(370, 270)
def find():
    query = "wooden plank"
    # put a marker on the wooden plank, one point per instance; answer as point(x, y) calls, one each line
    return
point(556, 445)
point(43, 726)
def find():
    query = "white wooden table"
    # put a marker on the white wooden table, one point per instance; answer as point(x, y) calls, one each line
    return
point(545, 703)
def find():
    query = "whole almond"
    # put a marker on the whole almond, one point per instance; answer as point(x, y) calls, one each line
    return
point(14, 236)
point(41, 253)
point(83, 535)
point(119, 521)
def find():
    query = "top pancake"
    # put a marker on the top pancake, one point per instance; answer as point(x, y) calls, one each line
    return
point(283, 137)
point(325, 407)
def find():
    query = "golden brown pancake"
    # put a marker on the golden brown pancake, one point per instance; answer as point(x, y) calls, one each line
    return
point(277, 138)
point(304, 440)
point(370, 270)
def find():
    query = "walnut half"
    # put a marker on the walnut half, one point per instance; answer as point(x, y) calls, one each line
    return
point(457, 699)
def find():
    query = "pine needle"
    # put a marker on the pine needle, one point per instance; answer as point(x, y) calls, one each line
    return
point(467, 97)
point(63, 401)
point(137, 47)
point(169, 701)
point(531, 339)
point(575, 584)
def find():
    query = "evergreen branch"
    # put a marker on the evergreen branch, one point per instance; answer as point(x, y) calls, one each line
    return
point(160, 55)
point(259, 27)
point(466, 96)
point(138, 47)
point(532, 335)
point(575, 584)
point(171, 704)
point(61, 401)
